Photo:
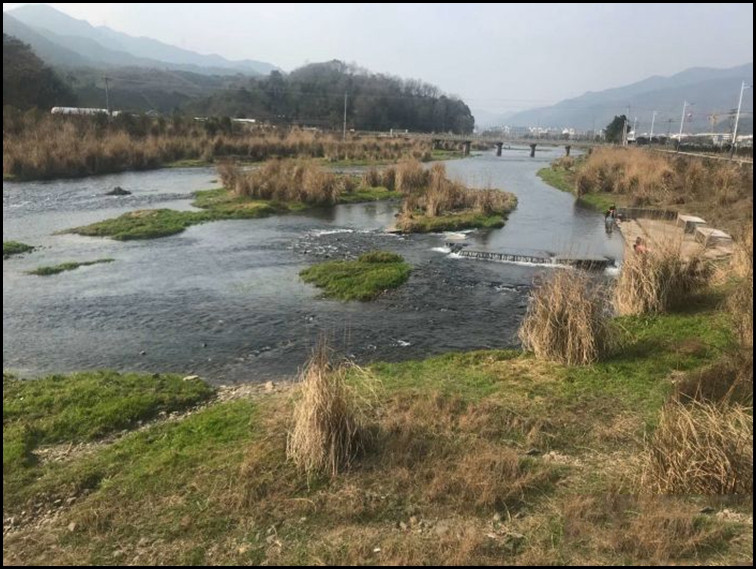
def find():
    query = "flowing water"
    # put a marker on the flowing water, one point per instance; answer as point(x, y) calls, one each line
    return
point(223, 299)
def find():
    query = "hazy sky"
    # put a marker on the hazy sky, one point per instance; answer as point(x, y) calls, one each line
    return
point(496, 57)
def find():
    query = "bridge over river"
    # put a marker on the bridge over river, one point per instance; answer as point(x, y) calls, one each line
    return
point(466, 141)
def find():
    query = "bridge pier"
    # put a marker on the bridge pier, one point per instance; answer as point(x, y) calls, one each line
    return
point(466, 147)
point(498, 148)
point(532, 149)
point(567, 149)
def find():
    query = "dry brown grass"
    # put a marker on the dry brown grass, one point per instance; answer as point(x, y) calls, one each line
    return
point(372, 178)
point(327, 434)
point(657, 280)
point(742, 254)
point(56, 146)
point(728, 380)
point(701, 448)
point(431, 194)
point(566, 320)
point(286, 181)
point(721, 192)
point(740, 304)
point(645, 529)
point(410, 177)
point(642, 175)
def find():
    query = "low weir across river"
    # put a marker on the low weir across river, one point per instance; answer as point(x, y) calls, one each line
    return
point(593, 263)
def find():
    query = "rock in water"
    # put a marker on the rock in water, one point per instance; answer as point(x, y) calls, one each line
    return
point(118, 191)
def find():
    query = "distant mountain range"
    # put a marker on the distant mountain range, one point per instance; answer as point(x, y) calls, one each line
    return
point(61, 40)
point(711, 93)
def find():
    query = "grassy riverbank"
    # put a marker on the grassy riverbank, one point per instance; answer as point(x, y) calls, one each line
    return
point(721, 192)
point(487, 457)
point(43, 146)
point(563, 173)
point(364, 279)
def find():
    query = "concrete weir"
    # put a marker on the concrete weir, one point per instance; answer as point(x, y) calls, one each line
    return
point(587, 263)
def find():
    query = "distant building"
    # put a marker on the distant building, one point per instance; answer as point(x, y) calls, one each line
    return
point(82, 111)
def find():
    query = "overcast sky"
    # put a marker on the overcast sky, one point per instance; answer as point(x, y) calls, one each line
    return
point(496, 57)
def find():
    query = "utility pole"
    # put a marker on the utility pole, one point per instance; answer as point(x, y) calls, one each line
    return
point(737, 118)
point(107, 94)
point(682, 121)
point(651, 135)
point(345, 109)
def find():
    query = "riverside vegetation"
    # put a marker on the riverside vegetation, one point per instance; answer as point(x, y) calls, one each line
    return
point(625, 440)
point(641, 452)
point(719, 191)
point(41, 146)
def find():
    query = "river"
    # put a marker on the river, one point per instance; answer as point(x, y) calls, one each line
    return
point(223, 300)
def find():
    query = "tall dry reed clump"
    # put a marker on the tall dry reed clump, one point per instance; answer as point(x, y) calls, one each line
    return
point(701, 448)
point(431, 192)
point(567, 320)
point(327, 434)
point(654, 281)
point(286, 181)
point(410, 177)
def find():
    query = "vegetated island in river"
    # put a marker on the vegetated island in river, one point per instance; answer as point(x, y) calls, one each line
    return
point(69, 266)
point(11, 248)
point(279, 186)
point(431, 202)
point(364, 279)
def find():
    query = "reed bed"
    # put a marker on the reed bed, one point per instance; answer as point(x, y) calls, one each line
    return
point(701, 448)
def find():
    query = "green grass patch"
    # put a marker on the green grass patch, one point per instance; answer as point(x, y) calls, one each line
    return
point(143, 224)
point(188, 163)
point(217, 205)
point(451, 222)
point(365, 194)
point(86, 406)
point(601, 202)
point(560, 178)
point(15, 248)
point(439, 154)
point(363, 279)
point(70, 266)
point(168, 459)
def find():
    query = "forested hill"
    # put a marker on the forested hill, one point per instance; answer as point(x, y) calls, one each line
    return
point(27, 82)
point(314, 95)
